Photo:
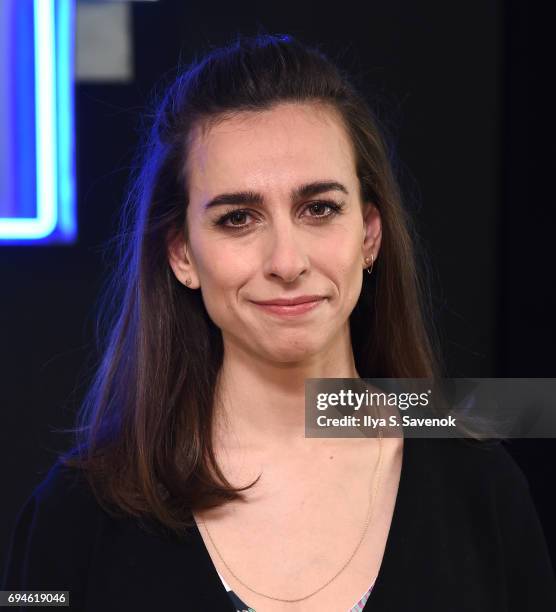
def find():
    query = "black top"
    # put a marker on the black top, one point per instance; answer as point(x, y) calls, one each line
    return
point(465, 536)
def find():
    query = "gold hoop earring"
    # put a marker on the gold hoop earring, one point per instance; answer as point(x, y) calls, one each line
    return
point(372, 260)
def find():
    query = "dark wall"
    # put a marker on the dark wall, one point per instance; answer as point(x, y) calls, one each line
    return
point(454, 84)
point(526, 302)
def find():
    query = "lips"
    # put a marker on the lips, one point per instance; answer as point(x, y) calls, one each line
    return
point(302, 299)
point(292, 307)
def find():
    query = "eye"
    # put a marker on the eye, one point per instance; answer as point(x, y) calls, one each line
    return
point(233, 216)
point(334, 209)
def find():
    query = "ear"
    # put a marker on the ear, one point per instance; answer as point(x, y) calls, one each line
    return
point(180, 261)
point(372, 230)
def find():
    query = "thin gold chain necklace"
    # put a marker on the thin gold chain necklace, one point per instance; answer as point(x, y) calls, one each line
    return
point(376, 483)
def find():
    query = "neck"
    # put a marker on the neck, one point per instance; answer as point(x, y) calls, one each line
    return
point(260, 405)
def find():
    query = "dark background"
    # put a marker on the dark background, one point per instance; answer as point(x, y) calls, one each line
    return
point(464, 88)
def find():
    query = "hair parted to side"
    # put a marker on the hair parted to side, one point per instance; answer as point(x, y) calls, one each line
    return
point(144, 430)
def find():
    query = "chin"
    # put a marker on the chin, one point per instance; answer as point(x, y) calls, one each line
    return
point(294, 353)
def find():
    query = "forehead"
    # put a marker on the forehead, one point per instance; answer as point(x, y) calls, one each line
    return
point(276, 148)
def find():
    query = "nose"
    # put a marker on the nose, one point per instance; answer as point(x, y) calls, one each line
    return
point(286, 255)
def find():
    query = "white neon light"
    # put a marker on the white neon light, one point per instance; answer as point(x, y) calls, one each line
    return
point(46, 134)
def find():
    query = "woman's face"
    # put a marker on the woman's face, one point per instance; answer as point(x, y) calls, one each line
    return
point(275, 212)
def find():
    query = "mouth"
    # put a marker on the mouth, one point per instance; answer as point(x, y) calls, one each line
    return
point(288, 309)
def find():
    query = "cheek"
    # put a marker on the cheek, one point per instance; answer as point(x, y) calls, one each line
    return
point(222, 273)
point(344, 263)
point(219, 263)
point(351, 283)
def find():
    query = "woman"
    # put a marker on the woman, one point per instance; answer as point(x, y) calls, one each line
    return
point(266, 184)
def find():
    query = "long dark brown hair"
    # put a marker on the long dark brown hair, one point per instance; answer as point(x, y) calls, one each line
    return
point(143, 435)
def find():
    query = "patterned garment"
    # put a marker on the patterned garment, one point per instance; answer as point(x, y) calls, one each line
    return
point(241, 606)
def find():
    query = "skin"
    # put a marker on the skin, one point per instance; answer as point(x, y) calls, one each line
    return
point(281, 251)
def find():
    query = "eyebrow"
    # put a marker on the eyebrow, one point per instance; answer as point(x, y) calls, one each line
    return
point(253, 198)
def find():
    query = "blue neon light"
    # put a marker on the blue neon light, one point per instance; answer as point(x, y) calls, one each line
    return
point(54, 128)
point(66, 127)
